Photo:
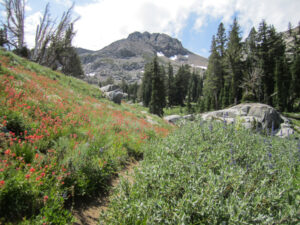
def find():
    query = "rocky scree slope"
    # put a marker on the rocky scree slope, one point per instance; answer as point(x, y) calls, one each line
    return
point(126, 58)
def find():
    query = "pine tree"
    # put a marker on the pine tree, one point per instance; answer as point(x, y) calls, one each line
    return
point(201, 105)
point(252, 81)
point(171, 86)
point(212, 82)
point(147, 84)
point(295, 84)
point(234, 56)
point(181, 84)
point(281, 84)
point(267, 61)
point(189, 96)
point(3, 37)
point(207, 103)
point(290, 29)
point(158, 99)
point(221, 40)
point(133, 91)
point(221, 44)
point(195, 86)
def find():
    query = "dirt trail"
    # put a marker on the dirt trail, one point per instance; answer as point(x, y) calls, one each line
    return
point(88, 213)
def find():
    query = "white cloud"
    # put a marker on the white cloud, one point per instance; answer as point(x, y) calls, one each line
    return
point(66, 3)
point(28, 8)
point(276, 12)
point(110, 20)
point(30, 28)
point(105, 21)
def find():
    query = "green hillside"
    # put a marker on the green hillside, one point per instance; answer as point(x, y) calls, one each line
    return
point(60, 139)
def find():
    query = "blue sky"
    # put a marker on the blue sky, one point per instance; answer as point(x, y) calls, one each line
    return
point(193, 22)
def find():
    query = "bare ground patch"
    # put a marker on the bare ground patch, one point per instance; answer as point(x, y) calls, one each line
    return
point(87, 212)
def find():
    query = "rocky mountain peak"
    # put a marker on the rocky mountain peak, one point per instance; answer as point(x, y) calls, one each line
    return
point(138, 36)
point(126, 58)
point(160, 42)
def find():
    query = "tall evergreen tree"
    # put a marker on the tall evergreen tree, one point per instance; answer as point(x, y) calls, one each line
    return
point(295, 84)
point(181, 84)
point(195, 86)
point(147, 84)
point(281, 84)
point(212, 82)
point(171, 86)
point(221, 40)
point(158, 98)
point(133, 91)
point(3, 37)
point(189, 96)
point(221, 45)
point(252, 81)
point(234, 56)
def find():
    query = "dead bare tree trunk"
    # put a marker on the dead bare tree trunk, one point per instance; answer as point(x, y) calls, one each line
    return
point(15, 15)
point(44, 33)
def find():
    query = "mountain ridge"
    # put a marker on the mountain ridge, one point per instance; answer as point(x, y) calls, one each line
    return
point(126, 58)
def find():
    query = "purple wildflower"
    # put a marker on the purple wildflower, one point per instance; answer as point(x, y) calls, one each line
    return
point(273, 130)
point(210, 127)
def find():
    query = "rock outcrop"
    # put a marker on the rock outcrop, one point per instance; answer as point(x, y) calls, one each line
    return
point(250, 115)
point(113, 93)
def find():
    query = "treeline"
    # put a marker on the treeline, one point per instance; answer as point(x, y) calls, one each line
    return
point(162, 88)
point(260, 69)
point(53, 41)
point(264, 68)
point(172, 90)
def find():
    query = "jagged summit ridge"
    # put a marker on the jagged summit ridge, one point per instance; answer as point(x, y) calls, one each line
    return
point(126, 58)
point(160, 42)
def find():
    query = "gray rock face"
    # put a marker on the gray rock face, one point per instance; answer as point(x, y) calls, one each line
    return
point(113, 93)
point(253, 115)
point(126, 58)
point(115, 96)
point(172, 118)
point(110, 87)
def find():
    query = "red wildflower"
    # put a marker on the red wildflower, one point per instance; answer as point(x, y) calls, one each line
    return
point(27, 176)
point(2, 182)
point(7, 152)
point(46, 198)
point(32, 170)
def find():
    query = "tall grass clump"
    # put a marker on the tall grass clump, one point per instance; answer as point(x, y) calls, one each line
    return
point(212, 173)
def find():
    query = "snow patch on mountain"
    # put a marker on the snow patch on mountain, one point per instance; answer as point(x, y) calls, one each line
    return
point(91, 74)
point(160, 54)
point(174, 57)
point(201, 67)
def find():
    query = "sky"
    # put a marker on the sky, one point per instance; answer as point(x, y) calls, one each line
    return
point(193, 22)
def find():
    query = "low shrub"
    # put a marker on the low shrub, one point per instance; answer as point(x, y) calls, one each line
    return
point(211, 173)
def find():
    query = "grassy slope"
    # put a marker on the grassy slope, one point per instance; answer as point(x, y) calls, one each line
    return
point(60, 139)
point(212, 174)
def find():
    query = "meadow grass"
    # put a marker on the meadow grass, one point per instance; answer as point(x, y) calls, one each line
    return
point(212, 173)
